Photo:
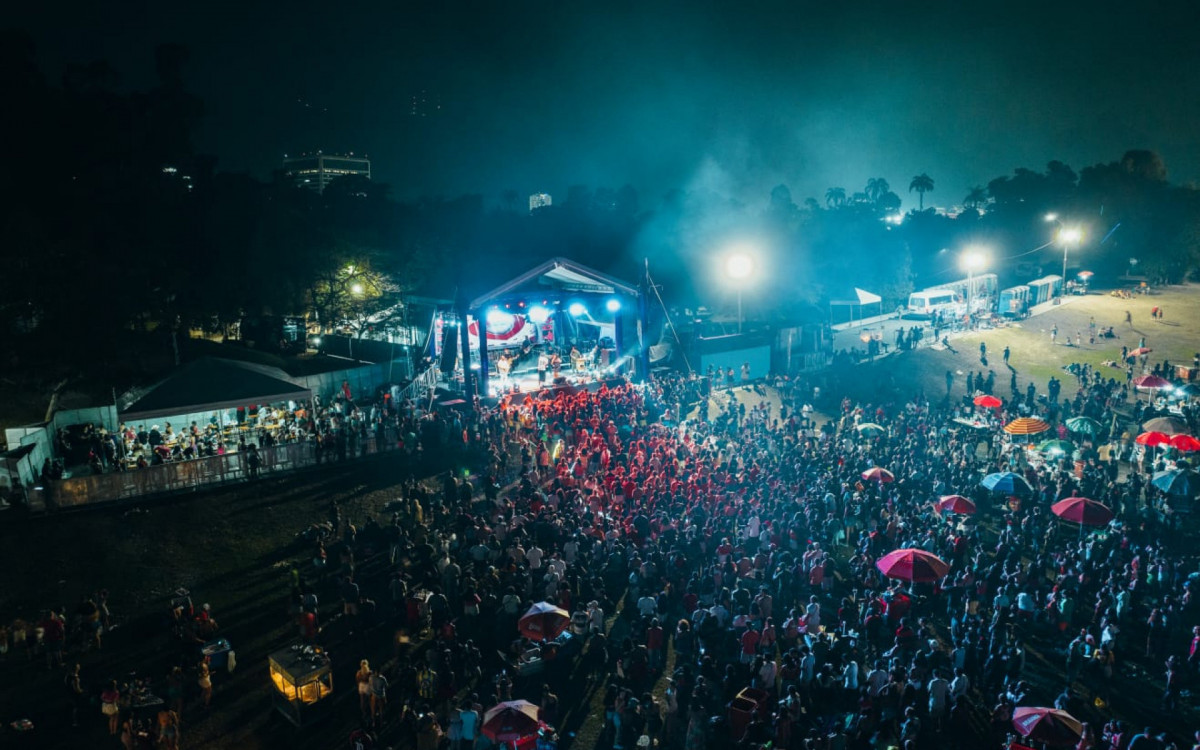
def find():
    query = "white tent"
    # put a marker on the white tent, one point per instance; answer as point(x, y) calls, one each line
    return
point(860, 298)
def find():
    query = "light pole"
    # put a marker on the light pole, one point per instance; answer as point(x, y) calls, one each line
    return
point(1068, 236)
point(972, 260)
point(739, 266)
point(1065, 236)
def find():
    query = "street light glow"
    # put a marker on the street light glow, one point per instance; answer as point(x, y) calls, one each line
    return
point(613, 305)
point(356, 288)
point(972, 259)
point(1070, 235)
point(739, 266)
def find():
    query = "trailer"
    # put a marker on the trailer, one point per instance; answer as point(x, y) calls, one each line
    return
point(1014, 301)
point(1044, 289)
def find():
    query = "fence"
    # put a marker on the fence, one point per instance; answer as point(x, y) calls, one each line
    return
point(191, 475)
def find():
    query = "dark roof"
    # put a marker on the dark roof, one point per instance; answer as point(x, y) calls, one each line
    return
point(211, 383)
point(16, 454)
point(564, 274)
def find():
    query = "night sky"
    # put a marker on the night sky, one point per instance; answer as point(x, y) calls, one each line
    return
point(731, 96)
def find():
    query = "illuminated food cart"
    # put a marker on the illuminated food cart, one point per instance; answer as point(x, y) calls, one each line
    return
point(303, 680)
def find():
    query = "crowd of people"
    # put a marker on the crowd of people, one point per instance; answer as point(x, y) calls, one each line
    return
point(731, 552)
point(747, 542)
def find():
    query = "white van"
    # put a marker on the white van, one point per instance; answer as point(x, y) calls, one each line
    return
point(925, 304)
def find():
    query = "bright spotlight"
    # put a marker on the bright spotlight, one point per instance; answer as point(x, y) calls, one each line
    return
point(1051, 217)
point(739, 266)
point(1070, 235)
point(539, 314)
point(497, 319)
point(356, 288)
point(613, 305)
point(577, 309)
point(973, 259)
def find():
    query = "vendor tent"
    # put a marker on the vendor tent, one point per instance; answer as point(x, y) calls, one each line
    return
point(852, 298)
point(210, 384)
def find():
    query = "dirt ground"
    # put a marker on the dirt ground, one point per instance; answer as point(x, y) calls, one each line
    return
point(1035, 357)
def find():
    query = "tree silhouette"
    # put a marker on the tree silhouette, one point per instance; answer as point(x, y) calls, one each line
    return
point(976, 198)
point(835, 197)
point(877, 187)
point(923, 184)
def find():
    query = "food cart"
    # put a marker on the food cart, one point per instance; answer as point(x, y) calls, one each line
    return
point(303, 680)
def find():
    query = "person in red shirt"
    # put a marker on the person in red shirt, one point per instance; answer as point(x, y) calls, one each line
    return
point(53, 634)
point(654, 644)
point(750, 641)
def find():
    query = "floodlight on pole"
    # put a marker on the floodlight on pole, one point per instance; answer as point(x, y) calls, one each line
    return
point(613, 305)
point(972, 259)
point(739, 267)
point(1068, 236)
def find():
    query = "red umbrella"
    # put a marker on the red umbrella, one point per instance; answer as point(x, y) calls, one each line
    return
point(913, 565)
point(1153, 439)
point(956, 504)
point(988, 402)
point(1047, 725)
point(1083, 511)
point(877, 474)
point(543, 622)
point(1185, 443)
point(1150, 382)
point(510, 721)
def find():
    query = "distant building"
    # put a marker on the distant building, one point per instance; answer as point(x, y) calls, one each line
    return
point(539, 200)
point(316, 171)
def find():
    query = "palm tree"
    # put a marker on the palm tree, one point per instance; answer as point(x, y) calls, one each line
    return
point(835, 196)
point(876, 187)
point(976, 198)
point(923, 184)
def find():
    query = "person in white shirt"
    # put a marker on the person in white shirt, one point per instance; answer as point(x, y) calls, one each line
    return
point(647, 606)
point(939, 691)
point(960, 685)
point(534, 557)
point(877, 679)
point(850, 677)
point(595, 618)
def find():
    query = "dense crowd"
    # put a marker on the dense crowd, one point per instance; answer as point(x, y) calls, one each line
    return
point(734, 557)
point(748, 543)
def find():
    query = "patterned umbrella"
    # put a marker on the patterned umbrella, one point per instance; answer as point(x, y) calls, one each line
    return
point(1047, 725)
point(510, 721)
point(1065, 447)
point(1152, 439)
point(1026, 426)
point(1008, 483)
point(883, 476)
point(1170, 425)
point(870, 429)
point(543, 622)
point(1185, 443)
point(988, 402)
point(1083, 511)
point(1150, 382)
point(1084, 426)
point(955, 504)
point(913, 565)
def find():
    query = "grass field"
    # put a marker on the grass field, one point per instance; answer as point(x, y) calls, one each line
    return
point(1033, 355)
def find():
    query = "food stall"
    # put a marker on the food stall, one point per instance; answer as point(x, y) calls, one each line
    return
point(303, 680)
